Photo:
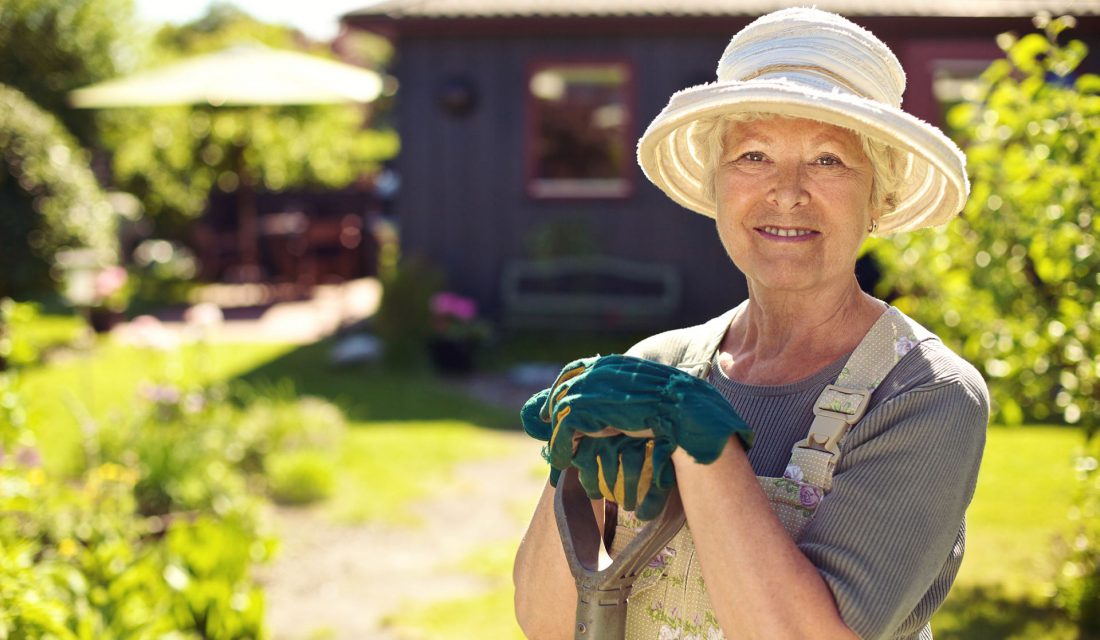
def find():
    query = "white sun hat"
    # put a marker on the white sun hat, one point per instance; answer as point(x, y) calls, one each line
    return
point(807, 63)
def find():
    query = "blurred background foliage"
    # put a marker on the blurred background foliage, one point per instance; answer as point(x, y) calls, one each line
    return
point(54, 46)
point(170, 158)
point(49, 196)
point(1012, 283)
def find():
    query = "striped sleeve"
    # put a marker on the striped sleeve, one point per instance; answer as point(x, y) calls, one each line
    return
point(889, 537)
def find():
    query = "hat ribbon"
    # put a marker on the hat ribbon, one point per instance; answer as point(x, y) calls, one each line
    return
point(812, 68)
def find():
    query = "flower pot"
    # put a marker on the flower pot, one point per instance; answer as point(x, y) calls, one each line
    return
point(103, 320)
point(452, 356)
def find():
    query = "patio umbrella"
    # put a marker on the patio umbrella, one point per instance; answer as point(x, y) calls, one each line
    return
point(250, 74)
point(242, 75)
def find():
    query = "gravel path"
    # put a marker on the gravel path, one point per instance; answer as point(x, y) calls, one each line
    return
point(338, 582)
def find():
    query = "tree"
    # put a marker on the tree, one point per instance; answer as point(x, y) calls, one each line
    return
point(49, 198)
point(51, 47)
point(1012, 284)
point(172, 157)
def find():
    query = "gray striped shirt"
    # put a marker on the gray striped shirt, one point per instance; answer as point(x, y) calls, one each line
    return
point(889, 538)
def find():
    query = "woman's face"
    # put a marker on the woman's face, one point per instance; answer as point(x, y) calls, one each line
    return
point(793, 202)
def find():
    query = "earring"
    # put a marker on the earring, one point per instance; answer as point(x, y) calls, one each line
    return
point(873, 227)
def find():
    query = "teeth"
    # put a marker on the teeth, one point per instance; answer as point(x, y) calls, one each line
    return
point(787, 233)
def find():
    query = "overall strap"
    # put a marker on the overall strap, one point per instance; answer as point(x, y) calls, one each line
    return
point(698, 355)
point(843, 403)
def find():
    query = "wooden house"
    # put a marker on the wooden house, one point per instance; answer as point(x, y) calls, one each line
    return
point(519, 118)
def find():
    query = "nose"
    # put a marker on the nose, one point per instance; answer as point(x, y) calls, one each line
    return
point(788, 189)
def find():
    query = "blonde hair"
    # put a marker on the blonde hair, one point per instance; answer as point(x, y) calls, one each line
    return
point(709, 136)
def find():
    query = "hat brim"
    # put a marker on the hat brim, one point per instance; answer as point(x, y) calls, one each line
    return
point(933, 188)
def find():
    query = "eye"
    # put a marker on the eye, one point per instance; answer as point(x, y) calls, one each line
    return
point(752, 156)
point(828, 160)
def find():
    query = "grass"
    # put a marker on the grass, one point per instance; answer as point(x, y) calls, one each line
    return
point(90, 389)
point(397, 421)
point(1015, 527)
point(489, 612)
point(386, 466)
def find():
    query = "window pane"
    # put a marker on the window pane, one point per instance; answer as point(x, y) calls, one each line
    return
point(580, 118)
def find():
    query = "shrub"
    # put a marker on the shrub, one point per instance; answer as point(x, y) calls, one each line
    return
point(80, 558)
point(404, 320)
point(50, 199)
point(1012, 283)
point(300, 477)
point(182, 444)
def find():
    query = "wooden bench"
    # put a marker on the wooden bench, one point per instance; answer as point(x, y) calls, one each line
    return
point(589, 293)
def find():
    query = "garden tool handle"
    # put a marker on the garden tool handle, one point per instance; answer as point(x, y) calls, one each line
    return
point(602, 594)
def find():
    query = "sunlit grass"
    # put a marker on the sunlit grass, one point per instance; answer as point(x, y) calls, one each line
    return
point(1024, 495)
point(1025, 490)
point(489, 612)
point(90, 388)
point(385, 467)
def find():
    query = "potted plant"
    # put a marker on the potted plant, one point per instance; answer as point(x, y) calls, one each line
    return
point(457, 332)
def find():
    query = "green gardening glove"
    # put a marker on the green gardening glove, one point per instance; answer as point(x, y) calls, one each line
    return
point(648, 406)
point(635, 473)
point(638, 397)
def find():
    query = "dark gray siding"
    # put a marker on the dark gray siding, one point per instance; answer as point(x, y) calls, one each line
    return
point(463, 203)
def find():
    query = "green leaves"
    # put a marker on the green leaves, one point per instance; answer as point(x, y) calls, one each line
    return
point(1020, 267)
point(49, 196)
point(171, 157)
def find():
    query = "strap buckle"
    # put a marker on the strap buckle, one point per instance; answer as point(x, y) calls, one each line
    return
point(836, 410)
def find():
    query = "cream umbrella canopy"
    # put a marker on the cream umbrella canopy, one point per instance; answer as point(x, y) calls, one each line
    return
point(243, 75)
point(250, 74)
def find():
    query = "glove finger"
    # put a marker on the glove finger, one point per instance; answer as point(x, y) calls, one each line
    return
point(570, 371)
point(568, 424)
point(554, 475)
point(653, 504)
point(634, 464)
point(594, 458)
point(664, 472)
point(604, 412)
point(533, 424)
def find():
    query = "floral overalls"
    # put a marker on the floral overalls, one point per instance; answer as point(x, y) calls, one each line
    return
point(669, 598)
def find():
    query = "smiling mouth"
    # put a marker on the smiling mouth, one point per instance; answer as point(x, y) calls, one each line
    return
point(786, 233)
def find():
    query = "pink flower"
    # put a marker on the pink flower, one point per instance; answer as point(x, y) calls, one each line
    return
point(450, 304)
point(28, 457)
point(662, 557)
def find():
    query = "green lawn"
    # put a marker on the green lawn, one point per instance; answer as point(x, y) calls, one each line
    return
point(88, 389)
point(1003, 591)
point(1015, 527)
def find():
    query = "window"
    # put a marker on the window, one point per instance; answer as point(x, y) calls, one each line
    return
point(579, 118)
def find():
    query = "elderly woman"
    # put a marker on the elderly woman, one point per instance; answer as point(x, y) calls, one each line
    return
point(869, 426)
